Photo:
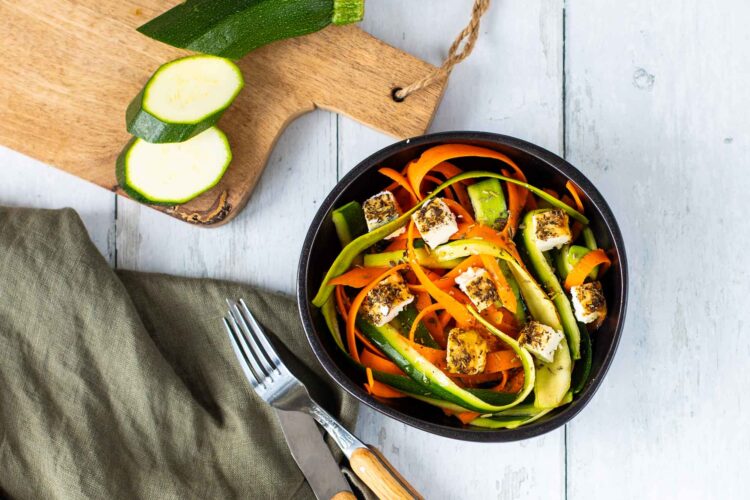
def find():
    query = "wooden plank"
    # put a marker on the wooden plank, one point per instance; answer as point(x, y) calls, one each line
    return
point(29, 183)
point(657, 117)
point(511, 84)
point(74, 65)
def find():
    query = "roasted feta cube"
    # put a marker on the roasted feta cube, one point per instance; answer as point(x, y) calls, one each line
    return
point(435, 222)
point(540, 340)
point(477, 284)
point(386, 300)
point(380, 210)
point(551, 229)
point(589, 303)
point(466, 352)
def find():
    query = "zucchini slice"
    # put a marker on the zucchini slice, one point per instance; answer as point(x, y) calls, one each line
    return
point(171, 174)
point(183, 98)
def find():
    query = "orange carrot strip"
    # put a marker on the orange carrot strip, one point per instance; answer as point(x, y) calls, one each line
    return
point(357, 303)
point(512, 385)
point(530, 203)
point(431, 322)
point(577, 227)
point(516, 202)
point(578, 274)
point(396, 244)
point(455, 308)
point(574, 193)
point(376, 362)
point(434, 156)
point(400, 180)
point(358, 277)
point(343, 305)
point(459, 210)
point(467, 416)
point(551, 192)
point(494, 315)
point(340, 301)
point(420, 315)
point(448, 278)
point(434, 356)
point(382, 390)
point(445, 318)
point(449, 170)
point(503, 288)
point(499, 361)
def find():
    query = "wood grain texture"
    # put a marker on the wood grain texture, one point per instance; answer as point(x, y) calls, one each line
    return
point(380, 476)
point(658, 95)
point(344, 495)
point(74, 65)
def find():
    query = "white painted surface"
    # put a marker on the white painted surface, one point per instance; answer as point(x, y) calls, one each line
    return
point(655, 113)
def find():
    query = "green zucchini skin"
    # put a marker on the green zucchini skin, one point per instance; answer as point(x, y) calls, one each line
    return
point(488, 202)
point(349, 221)
point(232, 28)
point(424, 373)
point(143, 124)
point(582, 369)
point(121, 173)
point(421, 334)
point(122, 179)
point(546, 275)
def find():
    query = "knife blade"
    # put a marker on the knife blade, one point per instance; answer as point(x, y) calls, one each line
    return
point(312, 455)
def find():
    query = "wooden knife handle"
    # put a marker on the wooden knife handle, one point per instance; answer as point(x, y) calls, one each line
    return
point(374, 470)
point(344, 495)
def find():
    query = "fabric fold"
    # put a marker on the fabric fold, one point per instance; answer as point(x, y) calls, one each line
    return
point(123, 384)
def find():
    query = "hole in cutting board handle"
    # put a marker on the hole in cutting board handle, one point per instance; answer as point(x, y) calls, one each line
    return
point(396, 97)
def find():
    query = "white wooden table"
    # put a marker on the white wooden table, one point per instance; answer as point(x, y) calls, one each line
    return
point(651, 101)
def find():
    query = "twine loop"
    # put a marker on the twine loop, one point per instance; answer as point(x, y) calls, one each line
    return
point(460, 50)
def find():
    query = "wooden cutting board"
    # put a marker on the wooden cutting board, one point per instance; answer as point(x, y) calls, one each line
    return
point(68, 69)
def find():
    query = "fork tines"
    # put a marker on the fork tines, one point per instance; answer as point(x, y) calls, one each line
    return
point(257, 356)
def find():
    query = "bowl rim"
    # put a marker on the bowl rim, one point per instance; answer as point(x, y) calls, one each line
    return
point(555, 162)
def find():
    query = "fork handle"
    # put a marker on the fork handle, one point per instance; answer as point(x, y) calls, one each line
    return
point(380, 476)
point(366, 461)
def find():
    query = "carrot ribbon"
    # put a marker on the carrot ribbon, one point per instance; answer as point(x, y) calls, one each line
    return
point(578, 274)
point(357, 303)
point(359, 276)
point(454, 307)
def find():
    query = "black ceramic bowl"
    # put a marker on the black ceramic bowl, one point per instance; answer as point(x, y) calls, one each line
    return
point(543, 169)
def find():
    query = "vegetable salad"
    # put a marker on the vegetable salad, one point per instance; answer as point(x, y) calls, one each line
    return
point(473, 291)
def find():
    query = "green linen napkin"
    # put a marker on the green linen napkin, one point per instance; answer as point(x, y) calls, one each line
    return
point(124, 385)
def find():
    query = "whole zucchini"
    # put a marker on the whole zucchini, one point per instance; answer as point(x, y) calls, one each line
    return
point(232, 28)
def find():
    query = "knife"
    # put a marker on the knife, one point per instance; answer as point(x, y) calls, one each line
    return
point(313, 456)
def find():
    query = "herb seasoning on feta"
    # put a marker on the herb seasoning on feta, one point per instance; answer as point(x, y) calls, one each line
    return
point(477, 284)
point(381, 209)
point(435, 222)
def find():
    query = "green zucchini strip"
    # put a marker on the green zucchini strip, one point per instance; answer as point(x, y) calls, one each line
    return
point(508, 421)
point(397, 348)
point(546, 275)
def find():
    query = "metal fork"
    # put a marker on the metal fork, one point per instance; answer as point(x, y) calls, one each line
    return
point(276, 385)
